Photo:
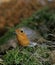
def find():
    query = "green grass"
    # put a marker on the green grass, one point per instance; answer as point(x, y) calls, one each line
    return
point(27, 56)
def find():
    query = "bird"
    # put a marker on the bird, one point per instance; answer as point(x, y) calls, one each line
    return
point(27, 37)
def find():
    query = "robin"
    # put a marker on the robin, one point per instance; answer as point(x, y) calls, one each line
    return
point(28, 37)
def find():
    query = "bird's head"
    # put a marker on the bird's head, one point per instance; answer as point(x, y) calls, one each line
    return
point(19, 32)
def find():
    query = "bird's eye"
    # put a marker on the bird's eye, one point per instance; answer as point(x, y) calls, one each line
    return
point(22, 31)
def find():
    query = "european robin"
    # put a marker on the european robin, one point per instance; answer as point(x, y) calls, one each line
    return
point(27, 36)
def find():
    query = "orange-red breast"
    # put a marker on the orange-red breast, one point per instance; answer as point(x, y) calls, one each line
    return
point(22, 38)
